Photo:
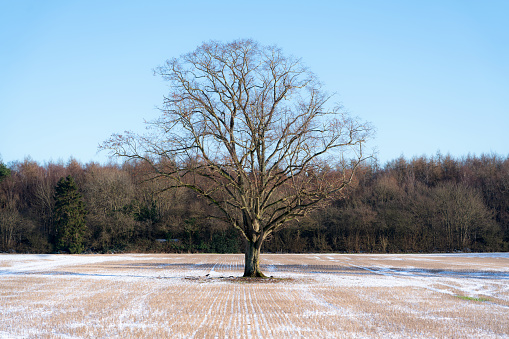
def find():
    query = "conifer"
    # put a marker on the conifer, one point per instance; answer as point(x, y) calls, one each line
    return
point(69, 216)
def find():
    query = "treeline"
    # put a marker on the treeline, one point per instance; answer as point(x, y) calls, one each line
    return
point(436, 204)
point(426, 204)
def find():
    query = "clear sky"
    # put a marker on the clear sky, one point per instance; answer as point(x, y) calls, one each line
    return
point(430, 75)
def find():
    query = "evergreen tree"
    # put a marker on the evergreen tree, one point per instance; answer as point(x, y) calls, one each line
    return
point(4, 172)
point(69, 216)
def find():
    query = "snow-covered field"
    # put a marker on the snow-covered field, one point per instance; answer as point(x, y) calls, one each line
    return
point(201, 296)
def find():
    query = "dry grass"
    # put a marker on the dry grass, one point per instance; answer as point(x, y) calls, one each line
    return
point(202, 296)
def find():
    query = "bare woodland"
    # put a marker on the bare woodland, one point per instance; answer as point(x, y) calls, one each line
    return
point(426, 204)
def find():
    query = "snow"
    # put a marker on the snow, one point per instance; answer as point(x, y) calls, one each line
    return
point(313, 282)
point(45, 262)
point(378, 274)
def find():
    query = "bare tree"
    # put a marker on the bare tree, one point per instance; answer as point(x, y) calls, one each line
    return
point(249, 130)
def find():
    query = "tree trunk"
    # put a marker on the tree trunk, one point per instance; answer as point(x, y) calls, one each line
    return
point(252, 260)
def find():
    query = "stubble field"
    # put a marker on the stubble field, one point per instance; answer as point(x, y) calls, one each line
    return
point(202, 296)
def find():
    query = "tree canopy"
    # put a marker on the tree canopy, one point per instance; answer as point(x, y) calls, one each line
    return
point(252, 131)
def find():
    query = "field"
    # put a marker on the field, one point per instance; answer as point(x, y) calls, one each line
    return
point(202, 296)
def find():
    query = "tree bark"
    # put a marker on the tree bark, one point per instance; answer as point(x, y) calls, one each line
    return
point(252, 260)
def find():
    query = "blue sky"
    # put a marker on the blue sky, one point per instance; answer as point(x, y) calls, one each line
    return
point(430, 75)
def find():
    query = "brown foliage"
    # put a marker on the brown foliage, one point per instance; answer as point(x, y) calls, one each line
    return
point(398, 208)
